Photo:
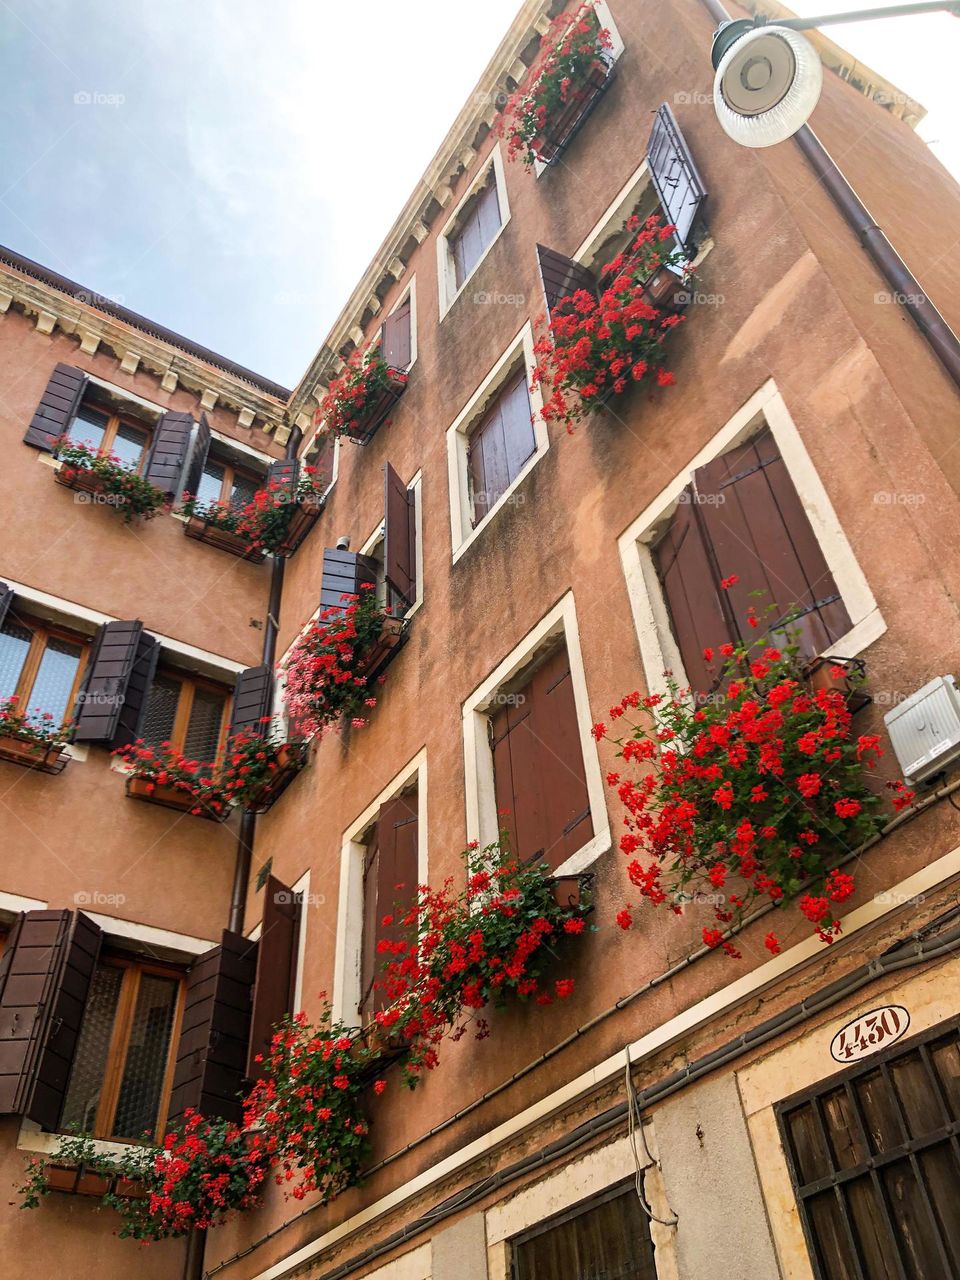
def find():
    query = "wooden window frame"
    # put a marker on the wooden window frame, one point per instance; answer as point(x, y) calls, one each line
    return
point(230, 472)
point(114, 422)
point(189, 684)
point(578, 1210)
point(42, 633)
point(119, 1048)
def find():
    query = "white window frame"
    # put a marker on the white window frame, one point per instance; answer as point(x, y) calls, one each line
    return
point(374, 541)
point(658, 648)
point(448, 291)
point(463, 533)
point(481, 799)
point(347, 992)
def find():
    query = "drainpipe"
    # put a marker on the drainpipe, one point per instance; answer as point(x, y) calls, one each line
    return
point(196, 1241)
point(941, 339)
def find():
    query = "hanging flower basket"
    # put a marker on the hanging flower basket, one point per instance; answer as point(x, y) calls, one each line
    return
point(214, 535)
point(580, 102)
point(384, 649)
point(362, 398)
point(667, 291)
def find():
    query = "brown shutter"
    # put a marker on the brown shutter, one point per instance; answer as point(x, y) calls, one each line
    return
point(488, 212)
point(276, 969)
point(499, 446)
point(6, 599)
point(391, 877)
point(344, 572)
point(252, 700)
point(399, 536)
point(168, 452)
point(57, 406)
point(691, 589)
point(396, 346)
point(516, 415)
point(322, 461)
point(284, 472)
point(759, 531)
point(212, 1053)
point(678, 184)
point(52, 955)
point(562, 276)
point(123, 660)
point(198, 456)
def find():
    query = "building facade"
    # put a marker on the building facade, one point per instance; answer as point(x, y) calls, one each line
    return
point(793, 1115)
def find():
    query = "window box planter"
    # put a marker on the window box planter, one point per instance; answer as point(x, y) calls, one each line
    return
point(305, 516)
point(291, 758)
point(76, 1180)
point(667, 291)
point(82, 481)
point(46, 757)
point(203, 531)
point(559, 131)
point(391, 638)
point(129, 1189)
point(171, 798)
point(569, 891)
point(379, 409)
point(820, 673)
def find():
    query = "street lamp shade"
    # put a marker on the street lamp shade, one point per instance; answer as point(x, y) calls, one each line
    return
point(767, 83)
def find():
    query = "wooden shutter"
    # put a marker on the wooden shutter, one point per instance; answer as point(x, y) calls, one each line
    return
point(699, 613)
point(391, 877)
point(500, 446)
point(539, 775)
point(57, 406)
point(758, 530)
point(285, 472)
point(198, 456)
point(168, 452)
point(276, 969)
point(488, 212)
point(675, 176)
point(252, 700)
point(6, 599)
point(344, 572)
point(562, 276)
point(212, 1053)
point(400, 536)
point(396, 340)
point(322, 461)
point(123, 660)
point(46, 978)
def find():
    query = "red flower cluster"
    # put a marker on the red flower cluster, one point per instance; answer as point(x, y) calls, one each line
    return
point(354, 401)
point(167, 767)
point(37, 727)
point(252, 763)
point(264, 520)
point(121, 485)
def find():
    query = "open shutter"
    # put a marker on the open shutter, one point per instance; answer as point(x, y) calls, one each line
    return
point(391, 876)
point(52, 955)
point(198, 456)
point(758, 530)
point(678, 184)
point(344, 573)
point(57, 406)
point(252, 700)
point(276, 969)
point(285, 473)
point(488, 212)
point(212, 1053)
point(399, 538)
point(396, 346)
point(322, 461)
point(123, 660)
point(562, 276)
point(168, 452)
point(6, 599)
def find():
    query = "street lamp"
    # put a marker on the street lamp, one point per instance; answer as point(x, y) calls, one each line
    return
point(768, 78)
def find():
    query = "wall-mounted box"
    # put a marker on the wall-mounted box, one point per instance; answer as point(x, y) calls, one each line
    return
point(925, 729)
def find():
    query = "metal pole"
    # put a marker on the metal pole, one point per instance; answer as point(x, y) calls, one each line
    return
point(860, 15)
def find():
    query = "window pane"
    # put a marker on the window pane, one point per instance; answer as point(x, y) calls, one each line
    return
point(128, 445)
point(14, 647)
point(242, 490)
point(608, 1241)
point(51, 690)
point(161, 711)
point(147, 1052)
point(88, 427)
point(203, 732)
point(211, 482)
point(90, 1060)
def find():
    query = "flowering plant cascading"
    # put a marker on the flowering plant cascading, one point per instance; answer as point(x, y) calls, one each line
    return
point(753, 797)
point(165, 766)
point(121, 486)
point(251, 764)
point(265, 519)
point(324, 676)
point(366, 386)
point(37, 728)
point(572, 50)
point(310, 1105)
point(218, 514)
point(459, 951)
point(199, 1177)
point(599, 345)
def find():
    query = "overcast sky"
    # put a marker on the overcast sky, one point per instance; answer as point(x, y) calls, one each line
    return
point(229, 167)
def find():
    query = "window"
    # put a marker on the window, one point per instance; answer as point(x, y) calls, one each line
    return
point(111, 435)
point(398, 333)
point(500, 446)
point(875, 1164)
point(609, 1237)
point(394, 549)
point(122, 1070)
point(226, 482)
point(41, 665)
point(471, 230)
point(188, 712)
point(390, 879)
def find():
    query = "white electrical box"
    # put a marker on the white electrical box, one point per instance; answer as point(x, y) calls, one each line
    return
point(925, 729)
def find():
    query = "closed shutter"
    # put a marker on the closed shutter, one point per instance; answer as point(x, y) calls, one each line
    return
point(488, 212)
point(758, 530)
point(344, 573)
point(6, 599)
point(252, 700)
point(212, 1053)
point(276, 969)
point(396, 337)
point(123, 661)
point(285, 473)
point(562, 276)
point(57, 406)
point(52, 956)
point(198, 456)
point(539, 775)
point(399, 536)
point(322, 462)
point(500, 446)
point(168, 452)
point(390, 880)
point(675, 176)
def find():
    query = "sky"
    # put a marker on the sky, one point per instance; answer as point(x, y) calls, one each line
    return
point(228, 168)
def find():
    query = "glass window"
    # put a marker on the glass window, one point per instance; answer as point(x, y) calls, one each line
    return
point(41, 666)
point(210, 487)
point(188, 713)
point(110, 435)
point(89, 427)
point(128, 445)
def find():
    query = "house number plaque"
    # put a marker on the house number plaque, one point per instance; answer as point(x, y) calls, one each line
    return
point(869, 1033)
